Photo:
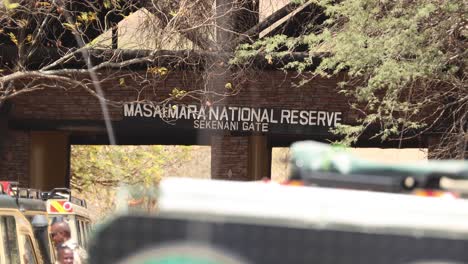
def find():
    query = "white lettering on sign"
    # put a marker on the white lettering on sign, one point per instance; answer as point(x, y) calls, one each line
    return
point(129, 110)
point(233, 117)
point(337, 119)
point(285, 114)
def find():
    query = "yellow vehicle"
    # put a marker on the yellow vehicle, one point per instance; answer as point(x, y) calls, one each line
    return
point(61, 205)
point(34, 209)
point(17, 241)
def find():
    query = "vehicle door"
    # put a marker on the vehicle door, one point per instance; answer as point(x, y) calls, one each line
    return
point(40, 225)
point(28, 246)
point(9, 246)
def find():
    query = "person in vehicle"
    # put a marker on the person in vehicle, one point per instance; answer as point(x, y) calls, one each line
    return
point(65, 255)
point(61, 235)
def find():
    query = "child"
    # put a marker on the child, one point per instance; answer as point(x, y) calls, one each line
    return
point(65, 255)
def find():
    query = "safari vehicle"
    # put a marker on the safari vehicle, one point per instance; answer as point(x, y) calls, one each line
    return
point(246, 222)
point(202, 221)
point(32, 206)
point(17, 239)
point(62, 205)
point(318, 164)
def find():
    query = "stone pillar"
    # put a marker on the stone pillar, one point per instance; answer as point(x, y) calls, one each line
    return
point(50, 160)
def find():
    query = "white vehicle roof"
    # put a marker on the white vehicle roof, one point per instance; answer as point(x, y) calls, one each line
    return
point(312, 207)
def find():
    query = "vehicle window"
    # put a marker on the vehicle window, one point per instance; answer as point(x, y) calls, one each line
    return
point(84, 234)
point(9, 239)
point(88, 229)
point(78, 232)
point(29, 254)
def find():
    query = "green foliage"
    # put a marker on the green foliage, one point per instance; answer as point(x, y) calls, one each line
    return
point(122, 82)
point(87, 17)
point(400, 53)
point(116, 4)
point(107, 3)
point(71, 27)
point(10, 5)
point(267, 45)
point(178, 93)
point(161, 71)
point(110, 166)
point(13, 38)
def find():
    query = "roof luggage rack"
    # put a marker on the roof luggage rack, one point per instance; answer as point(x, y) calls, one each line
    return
point(63, 193)
point(29, 193)
point(27, 199)
point(11, 188)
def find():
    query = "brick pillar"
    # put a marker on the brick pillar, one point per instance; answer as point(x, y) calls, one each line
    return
point(243, 158)
point(234, 157)
point(14, 157)
point(229, 157)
